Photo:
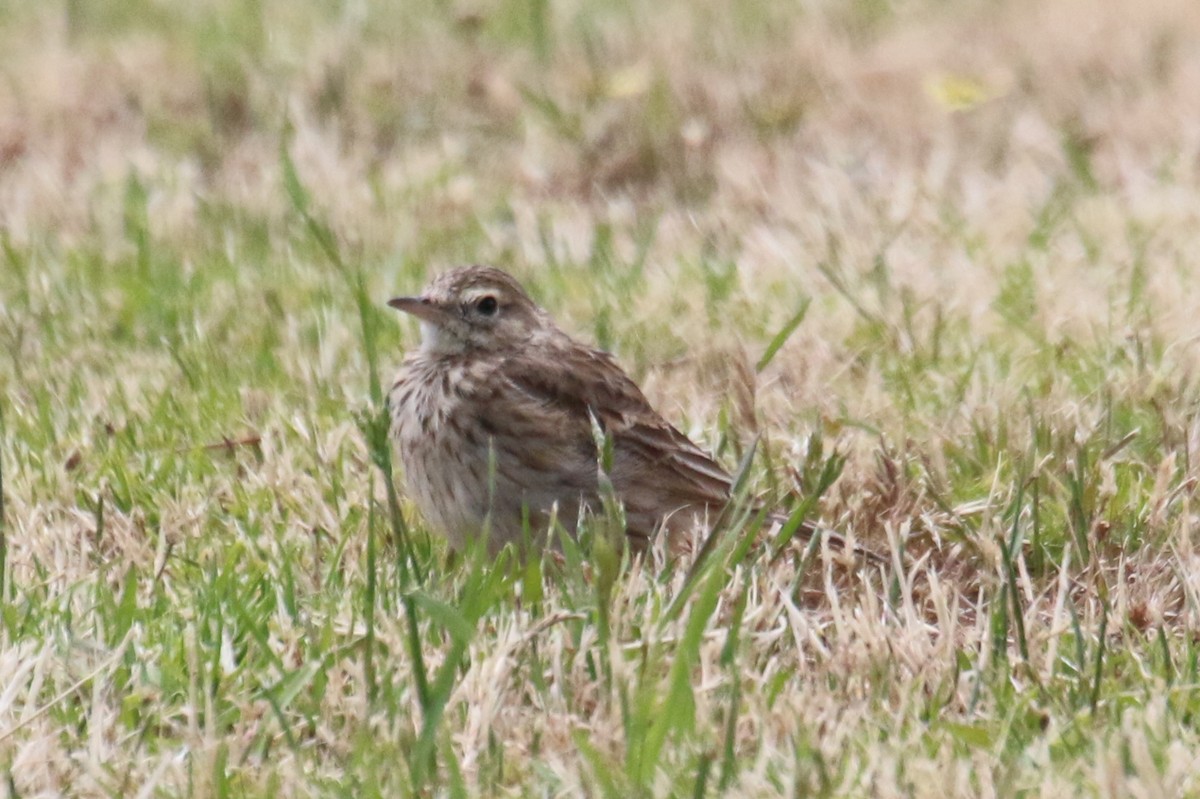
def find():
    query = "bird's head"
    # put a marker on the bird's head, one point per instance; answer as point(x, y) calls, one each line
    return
point(472, 308)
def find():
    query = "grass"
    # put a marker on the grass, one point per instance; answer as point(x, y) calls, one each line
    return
point(924, 271)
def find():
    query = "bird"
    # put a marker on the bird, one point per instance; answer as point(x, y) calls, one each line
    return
point(506, 426)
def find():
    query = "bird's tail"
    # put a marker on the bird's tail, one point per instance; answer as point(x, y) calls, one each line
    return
point(808, 533)
point(805, 534)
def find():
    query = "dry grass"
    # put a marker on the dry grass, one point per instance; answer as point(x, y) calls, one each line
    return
point(991, 209)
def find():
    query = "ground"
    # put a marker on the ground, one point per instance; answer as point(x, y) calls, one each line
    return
point(926, 271)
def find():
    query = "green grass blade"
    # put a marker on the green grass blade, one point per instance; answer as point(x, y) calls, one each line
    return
point(783, 335)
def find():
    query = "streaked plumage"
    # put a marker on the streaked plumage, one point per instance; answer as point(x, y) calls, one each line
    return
point(493, 417)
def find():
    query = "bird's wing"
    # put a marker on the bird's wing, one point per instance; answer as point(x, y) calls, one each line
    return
point(656, 469)
point(653, 463)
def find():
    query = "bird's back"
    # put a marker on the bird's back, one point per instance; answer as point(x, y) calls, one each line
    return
point(523, 435)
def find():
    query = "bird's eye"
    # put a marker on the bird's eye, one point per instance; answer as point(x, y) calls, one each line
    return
point(487, 305)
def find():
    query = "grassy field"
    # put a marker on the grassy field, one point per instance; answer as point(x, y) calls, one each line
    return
point(941, 261)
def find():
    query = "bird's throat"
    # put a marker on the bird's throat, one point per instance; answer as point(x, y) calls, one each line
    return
point(437, 340)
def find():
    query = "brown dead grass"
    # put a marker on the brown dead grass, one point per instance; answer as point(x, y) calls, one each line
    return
point(805, 155)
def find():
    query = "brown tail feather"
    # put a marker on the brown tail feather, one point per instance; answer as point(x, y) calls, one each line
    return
point(807, 531)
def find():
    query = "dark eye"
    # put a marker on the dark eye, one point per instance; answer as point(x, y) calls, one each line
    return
point(487, 305)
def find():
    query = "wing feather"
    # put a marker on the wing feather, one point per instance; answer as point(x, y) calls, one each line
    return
point(656, 468)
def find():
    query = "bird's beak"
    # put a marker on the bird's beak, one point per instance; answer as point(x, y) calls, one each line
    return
point(420, 308)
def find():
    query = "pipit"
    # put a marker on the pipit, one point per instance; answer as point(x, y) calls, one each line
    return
point(503, 423)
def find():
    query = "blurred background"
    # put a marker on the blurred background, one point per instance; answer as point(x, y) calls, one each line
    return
point(756, 153)
point(955, 241)
point(919, 209)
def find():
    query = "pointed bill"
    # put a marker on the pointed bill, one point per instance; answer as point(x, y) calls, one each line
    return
point(419, 307)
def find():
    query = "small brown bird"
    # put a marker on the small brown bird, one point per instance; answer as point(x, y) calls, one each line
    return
point(496, 415)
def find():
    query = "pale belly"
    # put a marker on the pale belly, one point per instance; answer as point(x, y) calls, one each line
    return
point(445, 470)
point(467, 483)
